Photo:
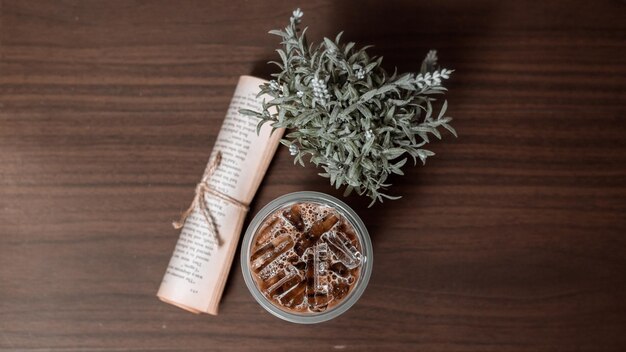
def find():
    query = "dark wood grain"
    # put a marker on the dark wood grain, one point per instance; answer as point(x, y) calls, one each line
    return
point(513, 238)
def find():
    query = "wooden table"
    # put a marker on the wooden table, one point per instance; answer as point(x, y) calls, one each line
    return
point(512, 238)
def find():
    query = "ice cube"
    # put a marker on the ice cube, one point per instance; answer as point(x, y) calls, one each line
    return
point(270, 251)
point(295, 296)
point(340, 289)
point(310, 237)
point(264, 233)
point(340, 269)
point(286, 279)
point(272, 278)
point(321, 267)
point(310, 277)
point(317, 278)
point(294, 217)
point(343, 249)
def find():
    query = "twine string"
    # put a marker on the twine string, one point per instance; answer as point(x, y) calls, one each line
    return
point(199, 199)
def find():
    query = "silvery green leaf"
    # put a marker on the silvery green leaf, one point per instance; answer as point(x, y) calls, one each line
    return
point(369, 95)
point(278, 33)
point(423, 154)
point(348, 47)
point(365, 111)
point(249, 112)
point(393, 153)
point(260, 125)
point(390, 197)
point(387, 88)
point(330, 45)
point(451, 129)
point(338, 37)
point(367, 164)
point(443, 110)
point(283, 57)
point(370, 66)
point(400, 163)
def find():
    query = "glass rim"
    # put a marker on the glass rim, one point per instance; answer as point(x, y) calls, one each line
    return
point(362, 234)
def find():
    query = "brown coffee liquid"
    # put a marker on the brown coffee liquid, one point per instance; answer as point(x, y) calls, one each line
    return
point(305, 257)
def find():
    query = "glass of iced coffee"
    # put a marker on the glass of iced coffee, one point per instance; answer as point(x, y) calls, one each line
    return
point(306, 257)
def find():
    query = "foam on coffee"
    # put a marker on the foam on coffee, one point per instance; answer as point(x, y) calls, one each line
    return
point(305, 257)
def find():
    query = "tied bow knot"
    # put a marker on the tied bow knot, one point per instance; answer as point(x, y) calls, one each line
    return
point(199, 200)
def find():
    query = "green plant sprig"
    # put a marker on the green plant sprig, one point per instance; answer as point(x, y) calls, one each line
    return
point(355, 121)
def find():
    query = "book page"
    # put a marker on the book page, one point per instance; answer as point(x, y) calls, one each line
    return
point(198, 269)
point(243, 150)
